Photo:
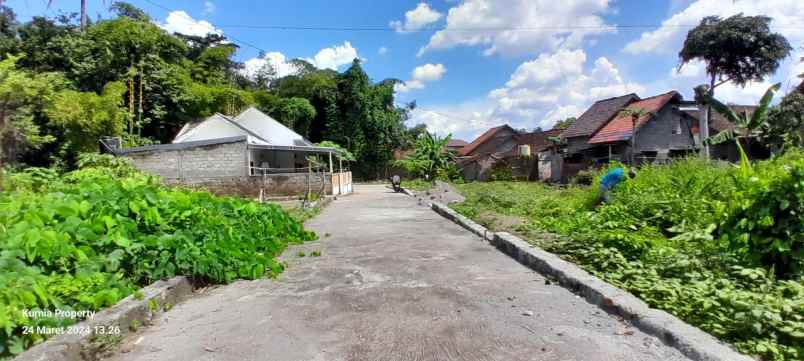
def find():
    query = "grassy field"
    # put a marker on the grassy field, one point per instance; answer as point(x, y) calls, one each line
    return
point(695, 239)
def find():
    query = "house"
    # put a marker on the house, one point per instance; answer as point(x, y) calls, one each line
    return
point(250, 154)
point(602, 133)
point(477, 158)
point(579, 154)
point(663, 132)
point(455, 145)
point(520, 152)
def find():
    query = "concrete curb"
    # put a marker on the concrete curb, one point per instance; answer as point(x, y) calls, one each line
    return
point(127, 314)
point(691, 341)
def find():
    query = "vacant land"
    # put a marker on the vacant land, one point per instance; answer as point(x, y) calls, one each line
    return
point(718, 246)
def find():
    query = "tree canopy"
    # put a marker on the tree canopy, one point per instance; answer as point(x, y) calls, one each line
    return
point(127, 76)
point(739, 48)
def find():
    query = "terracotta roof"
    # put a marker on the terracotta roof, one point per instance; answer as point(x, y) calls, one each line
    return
point(597, 115)
point(468, 149)
point(456, 143)
point(621, 128)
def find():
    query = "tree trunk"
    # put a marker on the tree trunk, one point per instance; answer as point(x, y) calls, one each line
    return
point(707, 119)
point(83, 15)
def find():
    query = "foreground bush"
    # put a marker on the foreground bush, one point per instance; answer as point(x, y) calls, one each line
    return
point(718, 246)
point(89, 238)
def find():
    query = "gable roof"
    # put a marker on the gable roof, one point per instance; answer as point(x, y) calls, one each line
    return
point(597, 115)
point(489, 134)
point(622, 126)
point(258, 127)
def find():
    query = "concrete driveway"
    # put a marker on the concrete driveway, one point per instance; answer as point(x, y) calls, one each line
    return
point(395, 281)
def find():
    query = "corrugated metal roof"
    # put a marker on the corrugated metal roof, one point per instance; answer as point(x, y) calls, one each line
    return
point(597, 115)
point(621, 127)
point(260, 127)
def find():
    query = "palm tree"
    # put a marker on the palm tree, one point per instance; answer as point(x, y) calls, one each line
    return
point(744, 124)
point(83, 13)
point(635, 114)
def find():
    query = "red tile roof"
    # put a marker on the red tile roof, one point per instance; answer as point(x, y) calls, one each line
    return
point(467, 150)
point(621, 127)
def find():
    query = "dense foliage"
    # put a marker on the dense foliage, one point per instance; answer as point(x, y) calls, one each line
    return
point(431, 158)
point(125, 76)
point(714, 244)
point(88, 238)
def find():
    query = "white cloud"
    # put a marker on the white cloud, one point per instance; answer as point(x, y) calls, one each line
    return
point(786, 14)
point(521, 26)
point(416, 19)
point(278, 61)
point(555, 86)
point(421, 75)
point(464, 121)
point(180, 22)
point(382, 50)
point(540, 92)
point(327, 58)
point(334, 57)
point(209, 7)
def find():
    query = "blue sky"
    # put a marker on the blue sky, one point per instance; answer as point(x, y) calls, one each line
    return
point(474, 64)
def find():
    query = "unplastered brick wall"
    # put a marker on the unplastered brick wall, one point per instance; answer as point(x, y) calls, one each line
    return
point(194, 165)
point(222, 169)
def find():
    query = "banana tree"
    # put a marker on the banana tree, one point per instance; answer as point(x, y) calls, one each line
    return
point(744, 124)
point(430, 156)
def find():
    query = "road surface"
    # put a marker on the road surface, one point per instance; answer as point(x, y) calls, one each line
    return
point(397, 282)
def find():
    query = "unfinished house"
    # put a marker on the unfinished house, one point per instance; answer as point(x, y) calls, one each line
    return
point(663, 132)
point(251, 154)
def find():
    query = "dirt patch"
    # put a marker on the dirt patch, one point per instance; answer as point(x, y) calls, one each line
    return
point(442, 192)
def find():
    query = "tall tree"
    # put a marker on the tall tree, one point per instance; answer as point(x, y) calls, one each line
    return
point(738, 49)
point(83, 13)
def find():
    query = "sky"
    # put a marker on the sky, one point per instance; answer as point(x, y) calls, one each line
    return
point(475, 64)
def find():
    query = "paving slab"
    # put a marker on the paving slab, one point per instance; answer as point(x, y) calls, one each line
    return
point(395, 281)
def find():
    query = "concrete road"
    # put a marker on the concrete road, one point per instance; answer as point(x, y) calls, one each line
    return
point(395, 282)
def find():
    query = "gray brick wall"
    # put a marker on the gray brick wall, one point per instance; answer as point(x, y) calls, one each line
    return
point(222, 169)
point(195, 164)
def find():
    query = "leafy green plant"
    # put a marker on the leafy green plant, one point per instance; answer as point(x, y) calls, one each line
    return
point(430, 157)
point(745, 124)
point(89, 238)
point(694, 238)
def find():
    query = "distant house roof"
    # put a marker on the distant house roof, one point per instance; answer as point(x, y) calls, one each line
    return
point(621, 127)
point(489, 134)
point(258, 127)
point(597, 115)
point(456, 143)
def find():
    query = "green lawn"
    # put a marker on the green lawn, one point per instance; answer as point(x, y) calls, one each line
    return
point(672, 237)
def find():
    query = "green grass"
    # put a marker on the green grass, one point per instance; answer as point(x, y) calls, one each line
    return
point(666, 238)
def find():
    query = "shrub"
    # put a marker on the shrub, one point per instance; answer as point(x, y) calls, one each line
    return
point(764, 220)
point(90, 238)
